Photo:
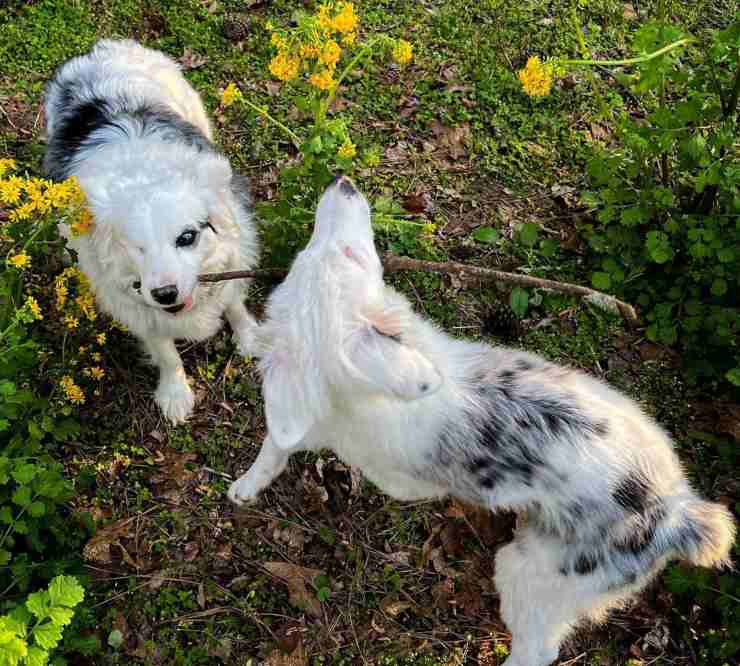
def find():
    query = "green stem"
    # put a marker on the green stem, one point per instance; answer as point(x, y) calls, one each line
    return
point(595, 84)
point(293, 136)
point(634, 61)
point(324, 108)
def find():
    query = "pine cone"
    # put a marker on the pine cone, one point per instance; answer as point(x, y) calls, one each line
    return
point(501, 322)
point(236, 27)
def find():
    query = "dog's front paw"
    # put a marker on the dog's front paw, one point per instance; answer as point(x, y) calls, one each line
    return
point(175, 399)
point(244, 490)
point(245, 339)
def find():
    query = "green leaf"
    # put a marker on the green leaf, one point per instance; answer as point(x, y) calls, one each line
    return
point(486, 235)
point(519, 301)
point(733, 376)
point(528, 234)
point(37, 509)
point(719, 287)
point(115, 639)
point(39, 604)
point(6, 515)
point(36, 657)
point(631, 217)
point(47, 635)
point(25, 473)
point(61, 616)
point(66, 591)
point(549, 247)
point(13, 650)
point(22, 496)
point(601, 281)
point(4, 557)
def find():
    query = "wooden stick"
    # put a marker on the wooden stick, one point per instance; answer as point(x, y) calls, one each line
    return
point(393, 263)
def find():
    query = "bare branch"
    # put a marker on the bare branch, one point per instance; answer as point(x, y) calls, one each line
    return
point(393, 263)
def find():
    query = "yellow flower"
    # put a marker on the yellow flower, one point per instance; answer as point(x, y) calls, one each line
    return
point(279, 42)
point(22, 212)
point(324, 19)
point(6, 165)
point(10, 190)
point(347, 149)
point(96, 356)
point(346, 20)
point(536, 77)
point(284, 66)
point(430, 228)
point(20, 260)
point(72, 322)
point(403, 51)
point(322, 80)
point(230, 95)
point(349, 38)
point(97, 372)
point(308, 51)
point(33, 307)
point(73, 392)
point(101, 338)
point(330, 54)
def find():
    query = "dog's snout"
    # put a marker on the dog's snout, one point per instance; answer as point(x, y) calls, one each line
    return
point(166, 295)
point(345, 185)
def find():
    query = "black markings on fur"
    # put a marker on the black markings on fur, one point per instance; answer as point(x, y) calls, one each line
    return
point(523, 365)
point(586, 563)
point(632, 494)
point(82, 119)
point(601, 428)
point(395, 338)
point(642, 532)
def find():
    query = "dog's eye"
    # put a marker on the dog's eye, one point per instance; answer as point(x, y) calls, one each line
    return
point(186, 238)
point(137, 285)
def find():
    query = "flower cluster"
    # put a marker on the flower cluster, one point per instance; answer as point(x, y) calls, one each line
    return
point(536, 77)
point(230, 95)
point(72, 392)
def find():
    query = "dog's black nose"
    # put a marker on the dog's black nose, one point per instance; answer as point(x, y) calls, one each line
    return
point(166, 295)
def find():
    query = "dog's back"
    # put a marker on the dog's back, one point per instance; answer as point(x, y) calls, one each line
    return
point(118, 91)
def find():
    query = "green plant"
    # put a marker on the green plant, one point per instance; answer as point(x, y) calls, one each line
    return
point(32, 630)
point(667, 199)
point(313, 60)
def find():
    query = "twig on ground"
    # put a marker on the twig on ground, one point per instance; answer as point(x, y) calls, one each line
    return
point(393, 263)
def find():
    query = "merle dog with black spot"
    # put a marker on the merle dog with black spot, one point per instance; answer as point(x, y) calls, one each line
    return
point(349, 366)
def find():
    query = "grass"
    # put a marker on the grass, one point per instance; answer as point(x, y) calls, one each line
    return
point(186, 583)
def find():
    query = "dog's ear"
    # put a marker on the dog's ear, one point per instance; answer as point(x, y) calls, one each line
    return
point(381, 357)
point(287, 410)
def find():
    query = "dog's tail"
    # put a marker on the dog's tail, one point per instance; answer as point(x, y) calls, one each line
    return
point(706, 533)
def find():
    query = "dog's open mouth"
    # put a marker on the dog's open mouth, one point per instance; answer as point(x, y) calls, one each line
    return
point(175, 308)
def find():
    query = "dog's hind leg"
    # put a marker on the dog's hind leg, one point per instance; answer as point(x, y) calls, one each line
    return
point(173, 394)
point(243, 325)
point(546, 588)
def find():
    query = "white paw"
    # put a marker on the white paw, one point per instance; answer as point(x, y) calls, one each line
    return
point(245, 338)
point(175, 399)
point(244, 490)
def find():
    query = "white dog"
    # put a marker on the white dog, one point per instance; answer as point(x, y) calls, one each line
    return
point(127, 124)
point(348, 365)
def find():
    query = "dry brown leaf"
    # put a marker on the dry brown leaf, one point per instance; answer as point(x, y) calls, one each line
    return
point(443, 593)
point(418, 203)
point(97, 549)
point(628, 11)
point(297, 578)
point(394, 607)
point(190, 551)
point(296, 658)
point(453, 139)
point(396, 153)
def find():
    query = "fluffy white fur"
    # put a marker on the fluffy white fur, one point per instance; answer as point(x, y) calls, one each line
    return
point(124, 120)
point(348, 365)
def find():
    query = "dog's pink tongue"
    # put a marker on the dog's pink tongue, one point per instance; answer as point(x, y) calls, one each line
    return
point(188, 303)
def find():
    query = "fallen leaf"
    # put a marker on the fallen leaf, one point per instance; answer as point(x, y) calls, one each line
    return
point(297, 578)
point(296, 658)
point(443, 593)
point(191, 60)
point(97, 549)
point(454, 139)
point(452, 539)
point(628, 11)
point(190, 551)
point(394, 607)
point(396, 153)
